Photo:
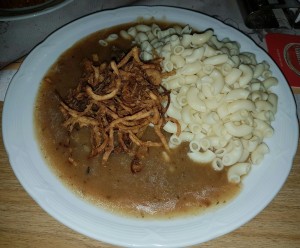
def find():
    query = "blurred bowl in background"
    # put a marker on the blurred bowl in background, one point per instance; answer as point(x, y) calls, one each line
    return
point(21, 29)
point(16, 10)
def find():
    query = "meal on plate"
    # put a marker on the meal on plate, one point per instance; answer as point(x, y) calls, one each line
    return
point(155, 119)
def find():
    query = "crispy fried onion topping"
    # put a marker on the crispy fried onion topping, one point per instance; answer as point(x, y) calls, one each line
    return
point(117, 102)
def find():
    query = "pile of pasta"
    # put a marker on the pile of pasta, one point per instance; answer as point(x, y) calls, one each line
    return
point(220, 96)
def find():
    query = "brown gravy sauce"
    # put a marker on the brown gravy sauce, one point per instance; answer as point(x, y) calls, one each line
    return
point(161, 190)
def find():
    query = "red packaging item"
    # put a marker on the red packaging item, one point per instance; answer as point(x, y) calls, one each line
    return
point(285, 50)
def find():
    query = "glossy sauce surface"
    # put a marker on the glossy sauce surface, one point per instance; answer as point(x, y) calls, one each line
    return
point(161, 189)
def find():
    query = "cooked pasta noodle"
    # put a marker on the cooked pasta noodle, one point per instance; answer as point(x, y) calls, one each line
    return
point(202, 157)
point(236, 171)
point(258, 154)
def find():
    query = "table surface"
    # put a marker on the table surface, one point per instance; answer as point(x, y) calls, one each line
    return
point(24, 224)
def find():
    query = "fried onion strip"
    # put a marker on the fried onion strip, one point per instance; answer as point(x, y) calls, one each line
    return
point(117, 102)
point(108, 96)
point(139, 142)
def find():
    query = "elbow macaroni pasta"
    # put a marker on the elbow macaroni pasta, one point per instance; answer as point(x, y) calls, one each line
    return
point(220, 96)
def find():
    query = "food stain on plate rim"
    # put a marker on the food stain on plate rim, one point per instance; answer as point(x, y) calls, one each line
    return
point(60, 203)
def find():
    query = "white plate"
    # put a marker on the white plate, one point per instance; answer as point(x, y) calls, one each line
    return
point(260, 186)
